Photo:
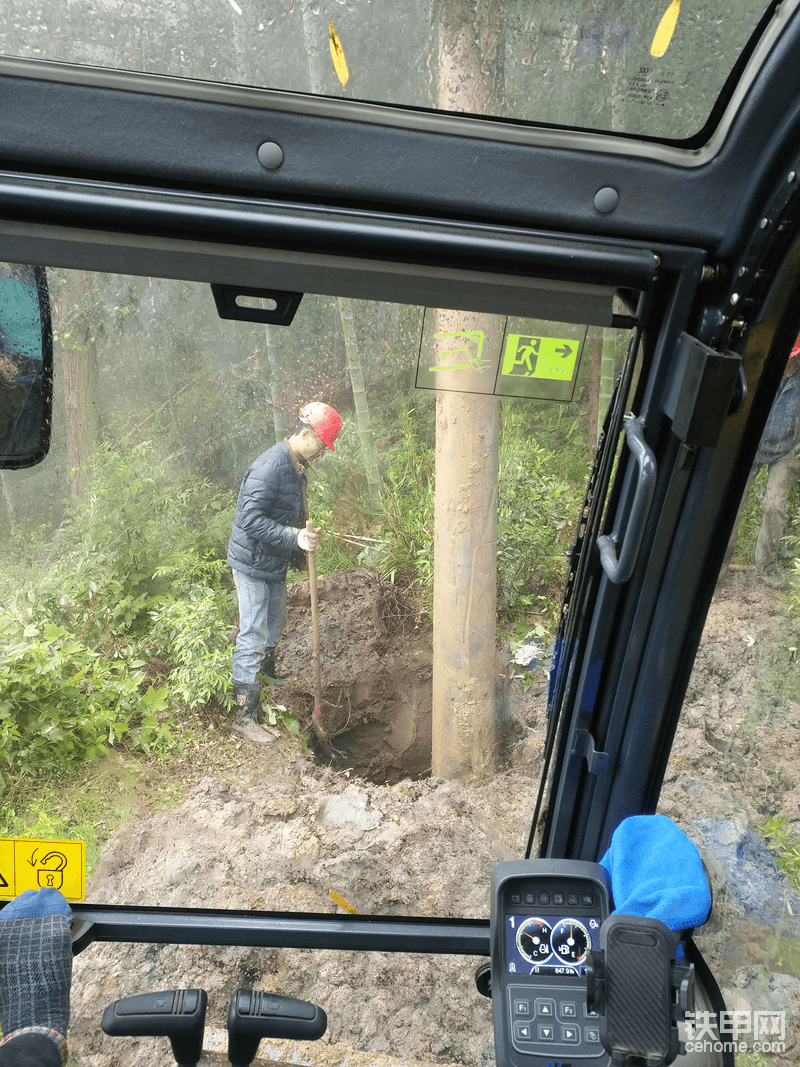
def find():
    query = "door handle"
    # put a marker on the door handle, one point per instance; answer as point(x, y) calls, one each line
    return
point(619, 565)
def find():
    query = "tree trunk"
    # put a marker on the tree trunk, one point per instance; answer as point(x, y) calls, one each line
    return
point(465, 537)
point(75, 326)
point(10, 498)
point(465, 581)
point(277, 377)
point(363, 421)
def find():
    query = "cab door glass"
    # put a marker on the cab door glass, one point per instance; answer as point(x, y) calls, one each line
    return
point(732, 777)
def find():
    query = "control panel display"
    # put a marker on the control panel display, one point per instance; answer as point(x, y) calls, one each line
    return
point(536, 945)
point(546, 919)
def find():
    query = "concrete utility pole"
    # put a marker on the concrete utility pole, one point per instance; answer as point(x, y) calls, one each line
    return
point(465, 538)
point(465, 583)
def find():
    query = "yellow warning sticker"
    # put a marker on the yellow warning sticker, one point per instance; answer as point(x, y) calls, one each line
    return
point(28, 863)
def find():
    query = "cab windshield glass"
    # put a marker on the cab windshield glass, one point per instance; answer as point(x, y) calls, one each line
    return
point(120, 612)
point(648, 70)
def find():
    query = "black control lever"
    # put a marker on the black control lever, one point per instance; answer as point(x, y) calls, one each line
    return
point(254, 1014)
point(179, 1014)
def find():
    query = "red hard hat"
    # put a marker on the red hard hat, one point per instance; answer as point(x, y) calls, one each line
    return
point(324, 420)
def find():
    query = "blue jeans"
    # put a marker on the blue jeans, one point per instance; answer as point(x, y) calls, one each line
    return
point(262, 617)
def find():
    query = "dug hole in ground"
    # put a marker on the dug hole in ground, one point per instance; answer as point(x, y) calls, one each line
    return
point(282, 830)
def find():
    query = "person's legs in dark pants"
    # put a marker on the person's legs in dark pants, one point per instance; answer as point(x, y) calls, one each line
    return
point(262, 618)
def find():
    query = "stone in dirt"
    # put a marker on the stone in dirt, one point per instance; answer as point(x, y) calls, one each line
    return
point(253, 731)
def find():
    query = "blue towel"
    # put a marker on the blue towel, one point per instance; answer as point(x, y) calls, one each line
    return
point(656, 871)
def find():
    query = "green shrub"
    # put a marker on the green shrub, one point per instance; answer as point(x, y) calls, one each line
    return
point(115, 553)
point(61, 702)
point(191, 629)
point(785, 850)
point(537, 514)
point(133, 573)
point(405, 539)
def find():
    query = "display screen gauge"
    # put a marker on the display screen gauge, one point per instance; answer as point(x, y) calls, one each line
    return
point(536, 945)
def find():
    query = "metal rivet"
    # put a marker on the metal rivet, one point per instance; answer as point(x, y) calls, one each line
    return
point(792, 176)
point(742, 271)
point(270, 155)
point(764, 224)
point(734, 299)
point(606, 199)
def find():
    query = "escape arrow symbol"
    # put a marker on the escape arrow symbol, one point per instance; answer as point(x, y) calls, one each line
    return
point(564, 351)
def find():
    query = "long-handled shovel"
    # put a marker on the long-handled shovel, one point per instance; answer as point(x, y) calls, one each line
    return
point(316, 720)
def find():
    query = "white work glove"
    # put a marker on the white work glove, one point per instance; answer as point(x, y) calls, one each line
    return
point(308, 540)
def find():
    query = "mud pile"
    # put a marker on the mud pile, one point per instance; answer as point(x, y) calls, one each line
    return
point(282, 838)
point(376, 673)
point(283, 831)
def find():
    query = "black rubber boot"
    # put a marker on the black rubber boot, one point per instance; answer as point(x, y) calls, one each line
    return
point(268, 666)
point(247, 695)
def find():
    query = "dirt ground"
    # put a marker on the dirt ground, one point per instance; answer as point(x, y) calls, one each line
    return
point(281, 831)
point(376, 683)
point(739, 735)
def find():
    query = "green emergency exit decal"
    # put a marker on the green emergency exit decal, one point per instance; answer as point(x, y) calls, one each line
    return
point(552, 358)
point(504, 359)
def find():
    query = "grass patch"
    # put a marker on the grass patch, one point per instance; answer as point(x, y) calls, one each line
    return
point(785, 850)
point(93, 802)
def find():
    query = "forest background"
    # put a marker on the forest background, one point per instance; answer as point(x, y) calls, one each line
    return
point(117, 615)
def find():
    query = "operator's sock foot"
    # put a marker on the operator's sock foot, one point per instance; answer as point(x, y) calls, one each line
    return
point(35, 962)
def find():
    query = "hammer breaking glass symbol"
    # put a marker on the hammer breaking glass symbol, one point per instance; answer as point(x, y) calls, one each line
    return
point(474, 360)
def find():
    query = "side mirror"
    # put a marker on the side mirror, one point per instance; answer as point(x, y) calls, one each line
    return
point(26, 366)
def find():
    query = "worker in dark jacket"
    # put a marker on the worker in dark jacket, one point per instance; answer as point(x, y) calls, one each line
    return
point(269, 535)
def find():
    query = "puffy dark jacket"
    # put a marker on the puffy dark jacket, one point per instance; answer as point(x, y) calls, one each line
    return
point(782, 432)
point(269, 511)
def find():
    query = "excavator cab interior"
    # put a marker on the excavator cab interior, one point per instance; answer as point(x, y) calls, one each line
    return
point(490, 196)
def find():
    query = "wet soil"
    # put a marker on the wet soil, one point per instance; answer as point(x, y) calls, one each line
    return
point(375, 671)
point(283, 830)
